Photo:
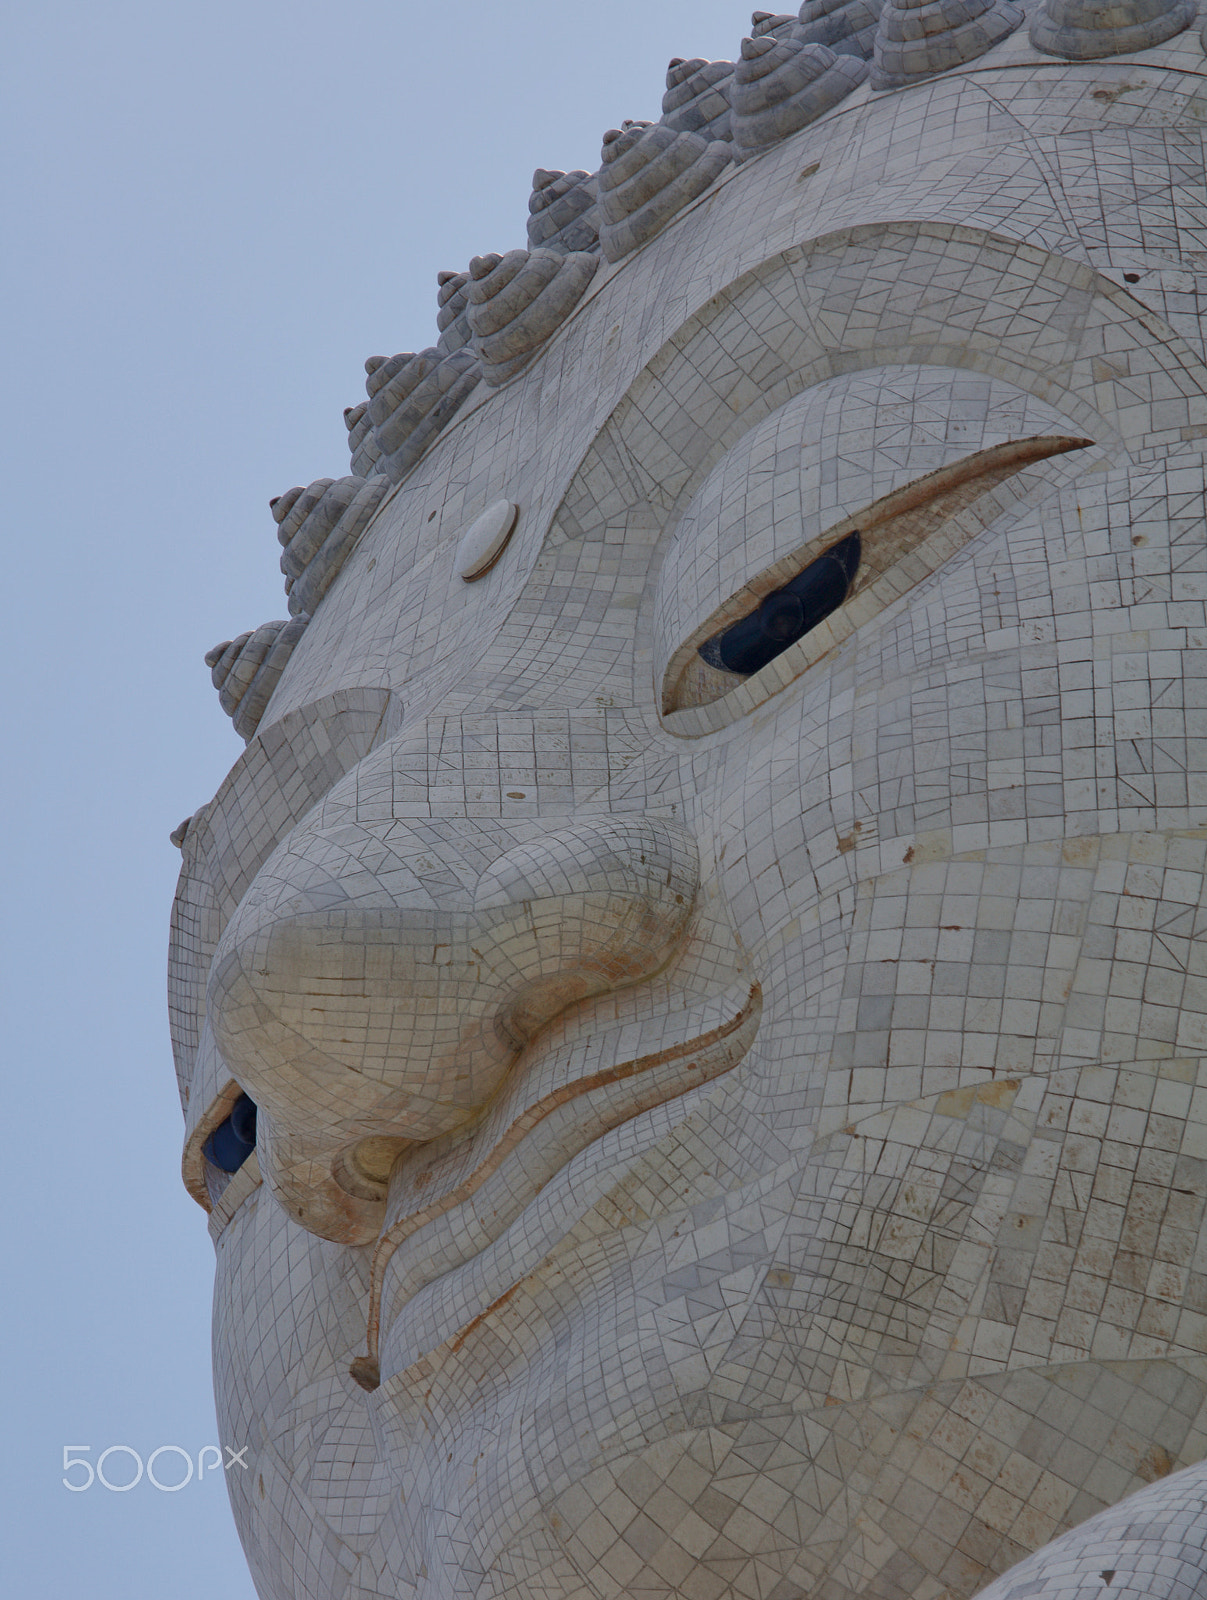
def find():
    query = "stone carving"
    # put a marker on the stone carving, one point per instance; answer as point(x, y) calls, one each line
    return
point(411, 397)
point(1083, 30)
point(319, 527)
point(918, 38)
point(780, 86)
point(452, 315)
point(518, 301)
point(772, 24)
point(697, 97)
point(361, 443)
point(485, 540)
point(554, 918)
point(649, 173)
point(724, 996)
point(246, 670)
point(1148, 1547)
point(563, 211)
point(848, 27)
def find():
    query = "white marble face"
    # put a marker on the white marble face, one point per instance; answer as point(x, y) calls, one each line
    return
point(740, 1133)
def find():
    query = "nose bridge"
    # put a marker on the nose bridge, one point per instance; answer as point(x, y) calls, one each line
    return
point(386, 971)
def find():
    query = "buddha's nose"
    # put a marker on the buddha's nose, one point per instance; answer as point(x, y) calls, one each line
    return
point(381, 977)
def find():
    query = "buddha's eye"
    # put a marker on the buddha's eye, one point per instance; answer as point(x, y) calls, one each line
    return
point(795, 611)
point(786, 614)
point(232, 1141)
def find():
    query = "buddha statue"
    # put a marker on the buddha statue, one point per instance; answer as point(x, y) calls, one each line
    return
point(691, 1006)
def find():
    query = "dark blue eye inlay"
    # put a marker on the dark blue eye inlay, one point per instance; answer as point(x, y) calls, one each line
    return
point(232, 1141)
point(788, 614)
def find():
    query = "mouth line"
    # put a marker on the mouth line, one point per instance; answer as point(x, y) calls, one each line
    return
point(645, 1081)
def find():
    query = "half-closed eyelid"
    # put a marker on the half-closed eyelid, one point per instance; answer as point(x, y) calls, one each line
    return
point(882, 550)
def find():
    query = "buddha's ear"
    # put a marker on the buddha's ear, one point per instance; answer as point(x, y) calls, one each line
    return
point(648, 858)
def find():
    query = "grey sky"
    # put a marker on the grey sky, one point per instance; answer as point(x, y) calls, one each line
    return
point(214, 213)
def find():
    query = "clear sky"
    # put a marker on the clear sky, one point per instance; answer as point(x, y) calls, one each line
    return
point(213, 214)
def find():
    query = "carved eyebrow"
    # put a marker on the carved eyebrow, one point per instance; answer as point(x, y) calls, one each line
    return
point(795, 596)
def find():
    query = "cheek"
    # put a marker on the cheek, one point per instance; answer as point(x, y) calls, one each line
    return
point(776, 808)
point(937, 728)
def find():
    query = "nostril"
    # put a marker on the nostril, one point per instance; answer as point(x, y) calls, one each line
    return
point(232, 1141)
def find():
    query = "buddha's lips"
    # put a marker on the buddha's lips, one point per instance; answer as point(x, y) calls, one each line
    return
point(550, 1129)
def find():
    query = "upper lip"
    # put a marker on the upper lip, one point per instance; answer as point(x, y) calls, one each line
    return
point(451, 1200)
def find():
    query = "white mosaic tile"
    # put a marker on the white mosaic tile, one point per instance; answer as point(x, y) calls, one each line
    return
point(744, 1133)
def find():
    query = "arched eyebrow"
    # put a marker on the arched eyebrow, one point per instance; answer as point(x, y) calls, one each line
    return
point(873, 540)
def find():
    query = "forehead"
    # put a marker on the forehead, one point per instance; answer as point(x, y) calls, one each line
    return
point(779, 279)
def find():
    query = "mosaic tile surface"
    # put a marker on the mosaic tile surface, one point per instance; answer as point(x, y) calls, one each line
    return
point(744, 1133)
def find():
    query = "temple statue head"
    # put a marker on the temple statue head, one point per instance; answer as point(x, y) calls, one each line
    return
point(691, 1005)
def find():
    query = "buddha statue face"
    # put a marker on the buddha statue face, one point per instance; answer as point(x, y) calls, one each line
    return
point(711, 917)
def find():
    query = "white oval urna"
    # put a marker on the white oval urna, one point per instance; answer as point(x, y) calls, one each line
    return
point(485, 540)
